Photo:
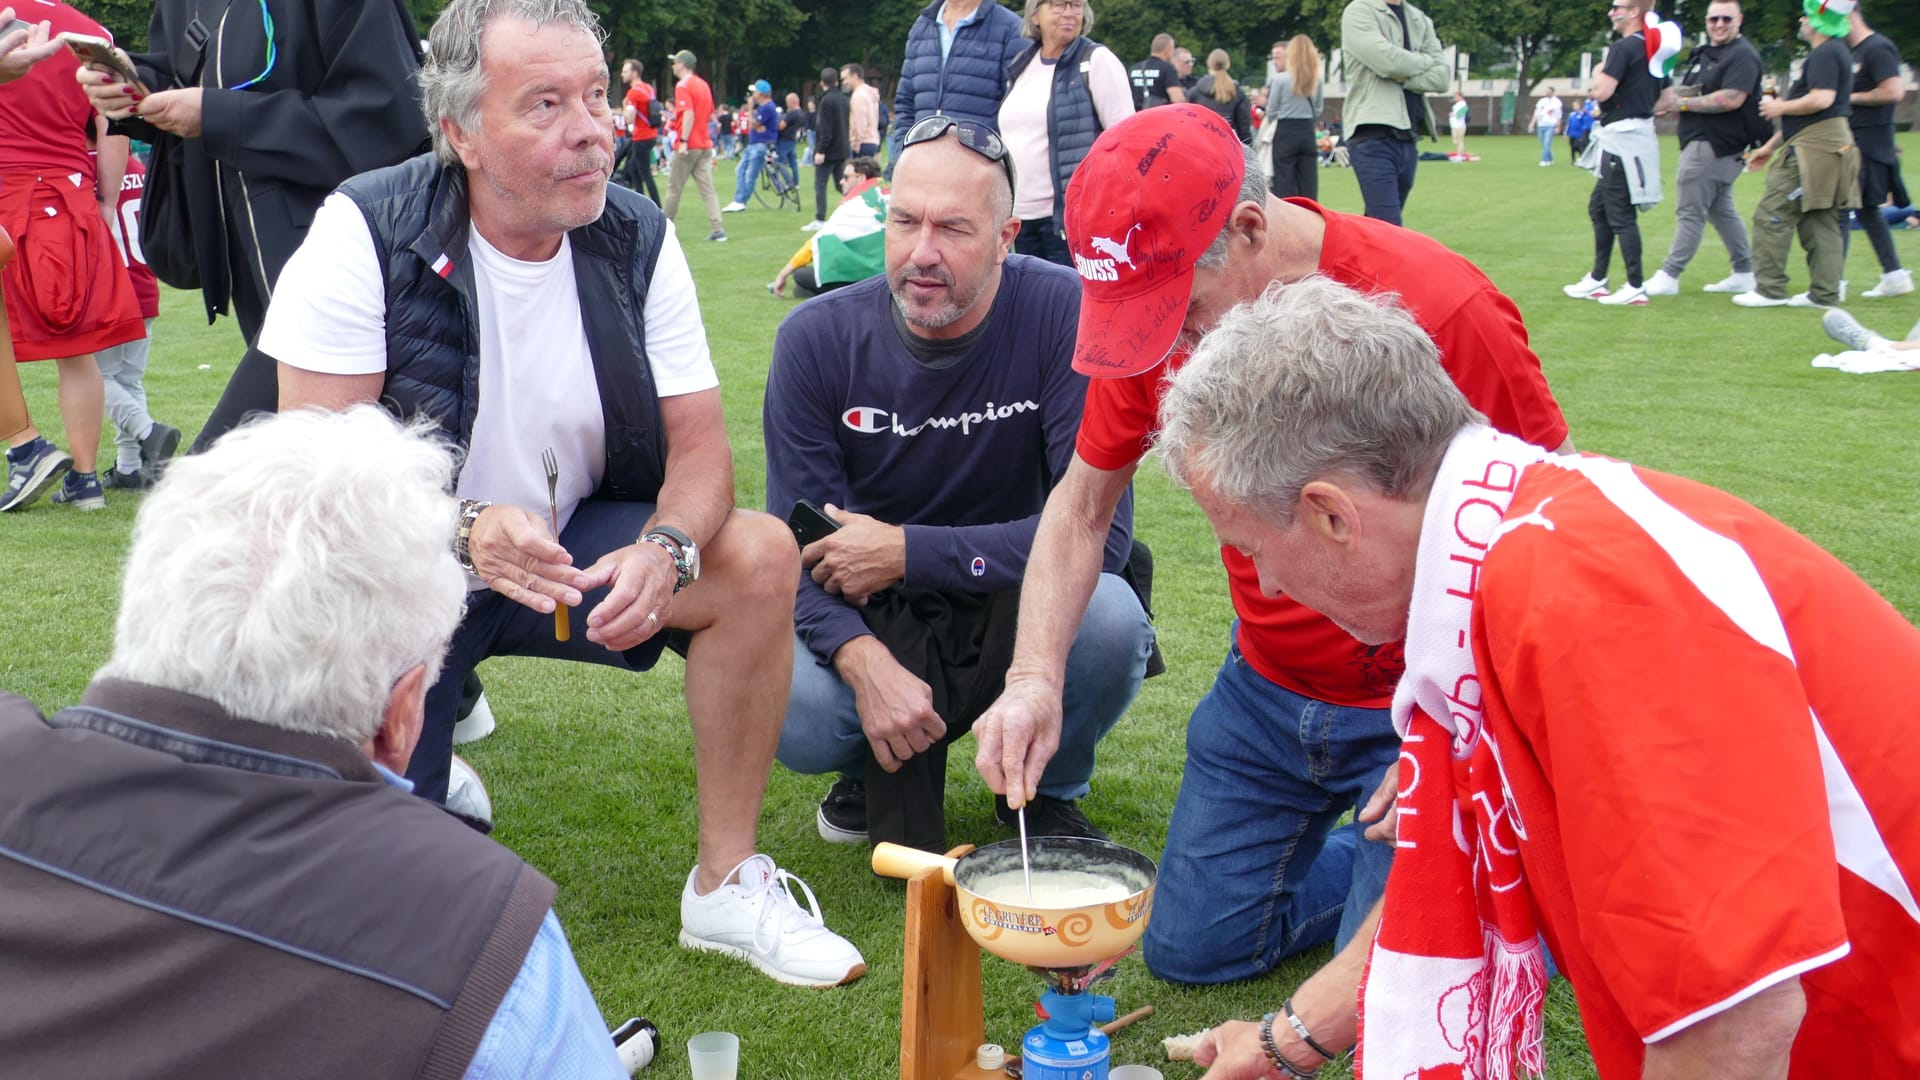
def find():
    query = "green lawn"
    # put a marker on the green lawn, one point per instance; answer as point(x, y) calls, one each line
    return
point(591, 771)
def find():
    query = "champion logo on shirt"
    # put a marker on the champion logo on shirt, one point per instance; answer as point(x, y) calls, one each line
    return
point(1107, 269)
point(872, 420)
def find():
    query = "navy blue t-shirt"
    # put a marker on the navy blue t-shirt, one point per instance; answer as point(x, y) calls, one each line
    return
point(768, 114)
point(962, 450)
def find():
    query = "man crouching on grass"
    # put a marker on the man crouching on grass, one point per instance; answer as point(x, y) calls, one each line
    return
point(547, 323)
point(1682, 756)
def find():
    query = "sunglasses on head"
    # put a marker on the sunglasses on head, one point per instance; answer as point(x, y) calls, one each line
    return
point(975, 136)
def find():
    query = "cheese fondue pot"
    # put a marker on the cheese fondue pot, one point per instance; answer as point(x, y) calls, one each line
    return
point(1090, 900)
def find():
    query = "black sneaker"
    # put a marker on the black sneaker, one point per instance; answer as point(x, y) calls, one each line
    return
point(1048, 816)
point(843, 813)
point(114, 479)
point(157, 449)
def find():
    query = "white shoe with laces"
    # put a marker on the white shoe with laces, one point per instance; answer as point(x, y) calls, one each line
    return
point(1626, 294)
point(1846, 330)
point(1587, 288)
point(1662, 284)
point(1896, 283)
point(1732, 283)
point(1804, 299)
point(757, 917)
point(1753, 298)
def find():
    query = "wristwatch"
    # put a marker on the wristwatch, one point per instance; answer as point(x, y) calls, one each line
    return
point(470, 511)
point(685, 553)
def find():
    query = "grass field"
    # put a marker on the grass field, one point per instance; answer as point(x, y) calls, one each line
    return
point(591, 772)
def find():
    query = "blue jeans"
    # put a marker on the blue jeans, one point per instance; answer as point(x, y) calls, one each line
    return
point(788, 151)
point(497, 626)
point(822, 732)
point(1546, 144)
point(1255, 870)
point(1384, 168)
point(748, 172)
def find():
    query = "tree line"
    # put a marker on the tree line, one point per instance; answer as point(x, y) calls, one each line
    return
point(788, 41)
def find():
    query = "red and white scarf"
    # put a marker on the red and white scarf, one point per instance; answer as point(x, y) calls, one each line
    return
point(1456, 983)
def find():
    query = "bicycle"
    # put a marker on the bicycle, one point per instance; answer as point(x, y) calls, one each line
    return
point(778, 187)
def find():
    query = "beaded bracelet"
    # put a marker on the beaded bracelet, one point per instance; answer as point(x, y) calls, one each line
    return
point(1287, 1068)
point(1300, 1029)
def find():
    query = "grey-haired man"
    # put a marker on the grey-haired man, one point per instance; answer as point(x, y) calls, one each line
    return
point(503, 289)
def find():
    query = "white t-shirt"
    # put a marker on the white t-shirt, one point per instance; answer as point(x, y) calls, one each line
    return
point(1546, 113)
point(1023, 123)
point(537, 388)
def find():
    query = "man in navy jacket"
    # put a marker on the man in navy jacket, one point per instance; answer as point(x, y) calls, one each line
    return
point(956, 64)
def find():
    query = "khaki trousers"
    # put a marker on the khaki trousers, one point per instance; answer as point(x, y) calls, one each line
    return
point(699, 165)
point(1775, 221)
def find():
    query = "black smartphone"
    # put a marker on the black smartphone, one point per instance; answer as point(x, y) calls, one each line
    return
point(810, 523)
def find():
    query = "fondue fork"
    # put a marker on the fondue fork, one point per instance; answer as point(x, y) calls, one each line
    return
point(1026, 865)
point(561, 630)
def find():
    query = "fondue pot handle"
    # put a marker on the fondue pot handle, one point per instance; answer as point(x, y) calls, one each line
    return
point(899, 861)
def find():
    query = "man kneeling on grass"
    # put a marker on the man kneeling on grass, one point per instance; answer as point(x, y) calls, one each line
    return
point(1640, 718)
point(213, 855)
point(931, 410)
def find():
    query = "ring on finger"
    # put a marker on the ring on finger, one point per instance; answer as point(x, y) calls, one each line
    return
point(652, 617)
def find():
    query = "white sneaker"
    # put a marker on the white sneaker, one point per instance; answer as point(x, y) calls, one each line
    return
point(812, 226)
point(1627, 294)
point(1846, 330)
point(1732, 283)
point(478, 723)
point(756, 916)
point(1804, 299)
point(1897, 283)
point(1754, 299)
point(465, 792)
point(1546, 164)
point(1843, 290)
point(733, 208)
point(1587, 288)
point(1662, 284)
point(1914, 334)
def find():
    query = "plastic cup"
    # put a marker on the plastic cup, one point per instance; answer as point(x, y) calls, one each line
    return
point(1134, 1072)
point(714, 1055)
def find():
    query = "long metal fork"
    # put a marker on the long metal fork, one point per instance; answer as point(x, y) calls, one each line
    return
point(561, 630)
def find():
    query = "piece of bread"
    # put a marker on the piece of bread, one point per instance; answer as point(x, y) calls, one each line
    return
point(1181, 1047)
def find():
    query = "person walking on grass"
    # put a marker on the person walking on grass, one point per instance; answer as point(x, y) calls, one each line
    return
point(1625, 157)
point(693, 156)
point(1814, 176)
point(1718, 98)
point(1877, 88)
point(833, 145)
point(1546, 123)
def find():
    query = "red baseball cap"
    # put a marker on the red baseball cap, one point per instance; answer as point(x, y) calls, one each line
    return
point(1141, 209)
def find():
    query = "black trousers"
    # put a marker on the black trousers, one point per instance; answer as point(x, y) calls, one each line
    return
point(638, 171)
point(1615, 219)
point(1296, 160)
point(1385, 168)
point(829, 168)
point(1038, 238)
point(1876, 181)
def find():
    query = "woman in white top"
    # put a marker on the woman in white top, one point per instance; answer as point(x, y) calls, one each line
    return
point(1294, 99)
point(1065, 89)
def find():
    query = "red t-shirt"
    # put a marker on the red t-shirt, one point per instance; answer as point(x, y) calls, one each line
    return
point(640, 97)
point(1684, 841)
point(126, 234)
point(44, 115)
point(694, 96)
point(1483, 346)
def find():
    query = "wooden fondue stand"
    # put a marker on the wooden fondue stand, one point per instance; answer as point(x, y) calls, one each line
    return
point(943, 1018)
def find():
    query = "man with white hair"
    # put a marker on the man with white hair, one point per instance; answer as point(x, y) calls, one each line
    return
point(213, 851)
point(547, 322)
point(1678, 750)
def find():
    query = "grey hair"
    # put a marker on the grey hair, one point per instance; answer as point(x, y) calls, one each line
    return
point(1253, 189)
point(451, 80)
point(1310, 379)
point(1031, 29)
point(295, 571)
